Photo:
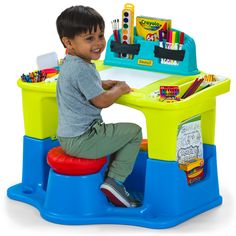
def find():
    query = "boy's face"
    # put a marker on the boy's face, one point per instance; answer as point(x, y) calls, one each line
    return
point(87, 46)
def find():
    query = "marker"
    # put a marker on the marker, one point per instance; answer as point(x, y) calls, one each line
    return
point(161, 44)
point(181, 40)
point(169, 45)
point(173, 39)
point(170, 36)
point(173, 45)
point(177, 45)
point(161, 39)
point(164, 29)
point(164, 61)
point(177, 38)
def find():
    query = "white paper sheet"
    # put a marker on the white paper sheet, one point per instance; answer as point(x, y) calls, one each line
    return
point(134, 78)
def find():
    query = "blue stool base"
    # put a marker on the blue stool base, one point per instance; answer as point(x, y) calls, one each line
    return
point(112, 215)
point(171, 202)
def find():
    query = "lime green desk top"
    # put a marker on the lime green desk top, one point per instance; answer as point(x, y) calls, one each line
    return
point(162, 118)
point(143, 97)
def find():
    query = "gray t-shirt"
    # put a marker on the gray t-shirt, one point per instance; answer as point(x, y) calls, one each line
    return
point(78, 82)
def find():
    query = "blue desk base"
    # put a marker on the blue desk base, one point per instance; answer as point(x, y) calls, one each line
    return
point(161, 186)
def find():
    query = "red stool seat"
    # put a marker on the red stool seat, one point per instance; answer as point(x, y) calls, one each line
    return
point(65, 164)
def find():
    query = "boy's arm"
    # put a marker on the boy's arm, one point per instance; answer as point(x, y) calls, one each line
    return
point(108, 84)
point(109, 97)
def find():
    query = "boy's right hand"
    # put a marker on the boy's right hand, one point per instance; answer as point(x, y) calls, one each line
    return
point(123, 86)
point(108, 97)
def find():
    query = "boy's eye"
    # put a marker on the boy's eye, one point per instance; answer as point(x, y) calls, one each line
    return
point(89, 38)
point(101, 36)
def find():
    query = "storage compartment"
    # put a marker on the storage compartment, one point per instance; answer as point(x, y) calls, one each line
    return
point(39, 109)
point(172, 196)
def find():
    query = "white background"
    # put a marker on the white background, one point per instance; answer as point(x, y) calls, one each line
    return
point(27, 29)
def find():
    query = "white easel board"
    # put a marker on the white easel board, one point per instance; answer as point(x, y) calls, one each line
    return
point(134, 78)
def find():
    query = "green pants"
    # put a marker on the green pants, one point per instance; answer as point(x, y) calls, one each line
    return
point(120, 140)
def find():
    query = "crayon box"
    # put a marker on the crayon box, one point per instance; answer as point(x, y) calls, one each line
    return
point(148, 27)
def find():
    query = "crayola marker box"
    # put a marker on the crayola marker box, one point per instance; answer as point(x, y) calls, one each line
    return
point(148, 27)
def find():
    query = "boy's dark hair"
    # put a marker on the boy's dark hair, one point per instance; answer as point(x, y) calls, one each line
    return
point(78, 19)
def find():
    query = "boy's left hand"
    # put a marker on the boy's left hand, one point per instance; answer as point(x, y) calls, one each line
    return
point(107, 84)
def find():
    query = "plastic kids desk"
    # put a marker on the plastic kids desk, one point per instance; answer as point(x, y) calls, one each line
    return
point(156, 180)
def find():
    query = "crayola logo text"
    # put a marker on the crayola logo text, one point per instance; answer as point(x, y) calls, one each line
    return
point(150, 25)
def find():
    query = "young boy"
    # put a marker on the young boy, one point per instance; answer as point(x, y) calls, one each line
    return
point(81, 95)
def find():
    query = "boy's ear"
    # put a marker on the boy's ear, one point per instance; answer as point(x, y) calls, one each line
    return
point(67, 42)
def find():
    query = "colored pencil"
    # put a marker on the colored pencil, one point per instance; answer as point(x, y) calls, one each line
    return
point(189, 88)
point(192, 89)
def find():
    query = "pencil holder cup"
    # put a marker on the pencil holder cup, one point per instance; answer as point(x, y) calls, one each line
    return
point(149, 55)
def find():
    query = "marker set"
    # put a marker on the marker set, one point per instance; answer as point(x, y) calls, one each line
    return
point(169, 93)
point(174, 41)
